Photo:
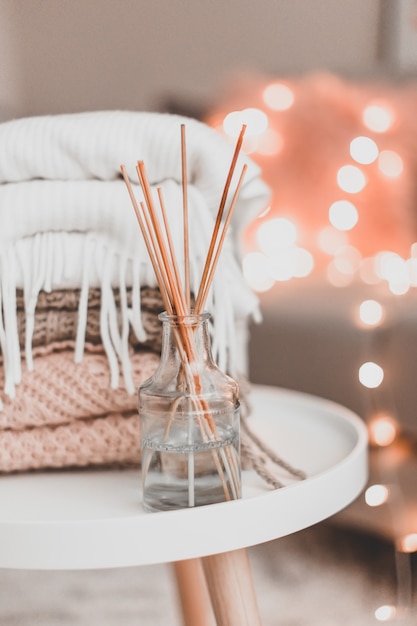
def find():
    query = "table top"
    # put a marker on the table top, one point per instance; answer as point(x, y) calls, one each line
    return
point(94, 519)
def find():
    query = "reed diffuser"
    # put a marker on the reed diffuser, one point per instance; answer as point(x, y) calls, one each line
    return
point(189, 408)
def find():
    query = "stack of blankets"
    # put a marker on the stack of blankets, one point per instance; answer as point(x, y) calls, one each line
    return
point(79, 330)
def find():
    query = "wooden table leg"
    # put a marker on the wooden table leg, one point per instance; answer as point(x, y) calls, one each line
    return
point(193, 593)
point(230, 584)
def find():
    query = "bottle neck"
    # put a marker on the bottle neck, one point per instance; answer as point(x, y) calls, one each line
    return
point(186, 339)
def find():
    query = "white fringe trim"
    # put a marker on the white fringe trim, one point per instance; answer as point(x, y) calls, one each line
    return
point(47, 261)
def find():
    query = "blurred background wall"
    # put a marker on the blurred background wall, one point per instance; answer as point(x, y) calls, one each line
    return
point(73, 55)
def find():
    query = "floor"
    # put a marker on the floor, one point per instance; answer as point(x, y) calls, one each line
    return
point(322, 576)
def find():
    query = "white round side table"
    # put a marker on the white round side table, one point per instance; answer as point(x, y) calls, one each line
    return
point(94, 519)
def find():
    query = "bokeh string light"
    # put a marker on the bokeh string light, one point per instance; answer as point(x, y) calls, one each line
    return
point(359, 191)
point(385, 435)
point(339, 161)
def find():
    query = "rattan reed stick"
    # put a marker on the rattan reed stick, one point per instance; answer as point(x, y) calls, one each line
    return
point(212, 262)
point(185, 219)
point(222, 205)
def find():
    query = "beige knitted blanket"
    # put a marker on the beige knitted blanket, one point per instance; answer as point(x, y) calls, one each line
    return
point(56, 318)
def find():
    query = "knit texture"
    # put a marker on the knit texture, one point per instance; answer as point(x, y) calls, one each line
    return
point(66, 414)
point(56, 318)
point(59, 391)
point(108, 439)
point(78, 300)
point(67, 223)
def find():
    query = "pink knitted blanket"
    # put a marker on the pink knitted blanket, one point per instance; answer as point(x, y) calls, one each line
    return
point(66, 413)
point(108, 439)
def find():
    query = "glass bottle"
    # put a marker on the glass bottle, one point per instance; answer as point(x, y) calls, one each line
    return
point(190, 424)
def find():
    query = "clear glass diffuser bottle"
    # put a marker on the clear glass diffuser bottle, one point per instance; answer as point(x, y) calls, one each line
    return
point(190, 431)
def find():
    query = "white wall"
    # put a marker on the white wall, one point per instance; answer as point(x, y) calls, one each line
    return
point(10, 95)
point(72, 55)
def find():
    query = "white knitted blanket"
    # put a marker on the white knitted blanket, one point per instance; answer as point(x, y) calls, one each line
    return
point(66, 221)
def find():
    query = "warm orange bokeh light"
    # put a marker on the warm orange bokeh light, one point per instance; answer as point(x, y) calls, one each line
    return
point(351, 179)
point(363, 150)
point(378, 117)
point(376, 495)
point(383, 430)
point(278, 97)
point(390, 163)
point(371, 313)
point(408, 543)
point(371, 374)
point(386, 613)
point(343, 215)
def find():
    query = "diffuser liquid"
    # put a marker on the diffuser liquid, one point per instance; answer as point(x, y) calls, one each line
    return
point(181, 476)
